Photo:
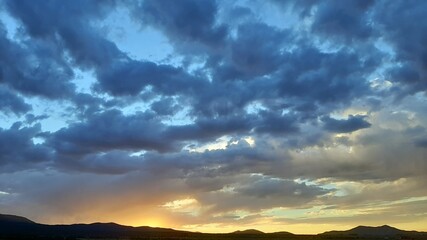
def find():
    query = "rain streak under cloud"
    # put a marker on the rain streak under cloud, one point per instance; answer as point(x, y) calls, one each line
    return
point(213, 116)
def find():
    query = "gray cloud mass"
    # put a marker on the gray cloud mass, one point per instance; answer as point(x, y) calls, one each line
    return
point(308, 104)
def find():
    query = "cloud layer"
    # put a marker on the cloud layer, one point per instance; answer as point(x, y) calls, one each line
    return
point(268, 114)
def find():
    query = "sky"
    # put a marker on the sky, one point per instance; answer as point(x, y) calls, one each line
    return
point(202, 115)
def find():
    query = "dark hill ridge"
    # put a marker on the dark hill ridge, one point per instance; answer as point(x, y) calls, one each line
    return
point(248, 231)
point(282, 233)
point(21, 228)
point(15, 227)
point(258, 232)
point(384, 230)
point(13, 218)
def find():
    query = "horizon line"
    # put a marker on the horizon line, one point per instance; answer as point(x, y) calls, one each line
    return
point(207, 232)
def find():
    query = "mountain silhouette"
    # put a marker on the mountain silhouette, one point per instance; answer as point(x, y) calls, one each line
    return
point(20, 228)
point(248, 231)
point(13, 219)
point(384, 230)
point(282, 233)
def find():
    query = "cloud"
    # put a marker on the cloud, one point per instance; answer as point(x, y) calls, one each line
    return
point(240, 117)
point(31, 118)
point(410, 61)
point(131, 77)
point(166, 106)
point(255, 51)
point(110, 130)
point(206, 128)
point(346, 21)
point(18, 151)
point(11, 103)
point(71, 23)
point(33, 68)
point(111, 163)
point(264, 187)
point(351, 124)
point(187, 23)
point(421, 142)
point(253, 193)
point(319, 81)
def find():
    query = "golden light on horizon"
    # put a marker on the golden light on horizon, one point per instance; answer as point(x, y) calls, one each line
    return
point(151, 222)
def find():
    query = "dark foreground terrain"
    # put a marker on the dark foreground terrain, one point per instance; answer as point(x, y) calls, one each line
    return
point(14, 227)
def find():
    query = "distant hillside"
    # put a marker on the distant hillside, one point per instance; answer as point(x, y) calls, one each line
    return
point(14, 219)
point(249, 231)
point(384, 230)
point(258, 232)
point(20, 228)
point(282, 233)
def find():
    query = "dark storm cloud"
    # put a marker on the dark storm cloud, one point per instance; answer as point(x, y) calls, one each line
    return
point(121, 76)
point(31, 118)
point(184, 22)
point(406, 74)
point(166, 106)
point(351, 124)
point(71, 22)
point(314, 76)
point(43, 18)
point(407, 38)
point(207, 128)
point(238, 158)
point(421, 142)
point(291, 78)
point(111, 163)
point(255, 51)
point(33, 68)
point(347, 20)
point(110, 130)
point(17, 150)
point(274, 123)
point(12, 103)
point(69, 35)
point(230, 100)
point(255, 192)
point(87, 104)
point(131, 77)
point(264, 187)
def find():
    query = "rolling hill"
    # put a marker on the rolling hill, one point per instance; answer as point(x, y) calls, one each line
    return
point(248, 231)
point(17, 228)
point(20, 227)
point(4, 218)
point(380, 231)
